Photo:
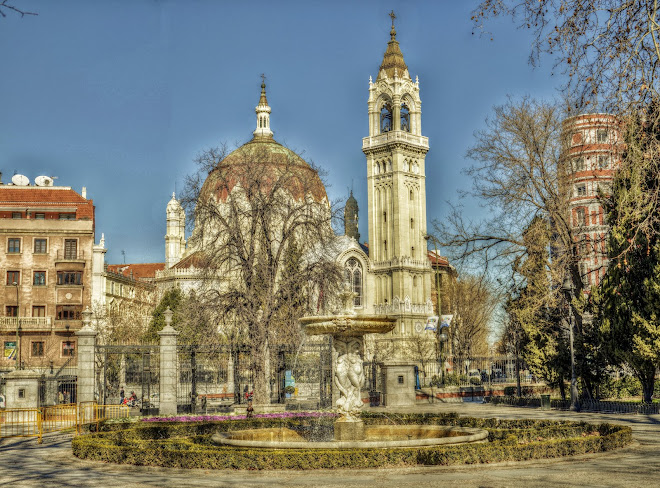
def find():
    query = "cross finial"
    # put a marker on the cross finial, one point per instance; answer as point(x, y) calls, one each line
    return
point(392, 31)
point(263, 78)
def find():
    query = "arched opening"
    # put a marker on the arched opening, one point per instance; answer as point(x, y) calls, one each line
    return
point(386, 118)
point(405, 118)
point(353, 277)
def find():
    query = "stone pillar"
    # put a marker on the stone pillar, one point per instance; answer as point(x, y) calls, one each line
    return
point(86, 363)
point(399, 382)
point(22, 389)
point(168, 366)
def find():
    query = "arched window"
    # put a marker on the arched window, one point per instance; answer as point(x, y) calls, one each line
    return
point(353, 277)
point(405, 118)
point(386, 118)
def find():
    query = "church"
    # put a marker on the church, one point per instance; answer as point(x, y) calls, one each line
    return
point(391, 274)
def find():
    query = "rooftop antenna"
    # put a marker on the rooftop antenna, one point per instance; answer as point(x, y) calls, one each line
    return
point(123, 253)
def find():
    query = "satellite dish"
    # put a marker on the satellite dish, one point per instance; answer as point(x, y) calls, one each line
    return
point(20, 180)
point(43, 181)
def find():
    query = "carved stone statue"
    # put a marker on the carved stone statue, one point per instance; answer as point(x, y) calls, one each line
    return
point(349, 377)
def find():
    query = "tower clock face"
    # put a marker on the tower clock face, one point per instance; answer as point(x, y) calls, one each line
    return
point(419, 327)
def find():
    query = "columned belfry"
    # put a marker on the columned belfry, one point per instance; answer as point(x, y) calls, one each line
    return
point(395, 150)
point(263, 114)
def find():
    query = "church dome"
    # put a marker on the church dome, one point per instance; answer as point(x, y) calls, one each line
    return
point(262, 163)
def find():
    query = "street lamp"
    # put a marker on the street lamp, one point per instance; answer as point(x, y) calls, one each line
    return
point(442, 338)
point(567, 288)
point(437, 292)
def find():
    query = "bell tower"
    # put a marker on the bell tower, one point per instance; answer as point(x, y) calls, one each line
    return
point(395, 150)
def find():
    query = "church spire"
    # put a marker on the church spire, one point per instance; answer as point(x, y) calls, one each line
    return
point(263, 114)
point(393, 63)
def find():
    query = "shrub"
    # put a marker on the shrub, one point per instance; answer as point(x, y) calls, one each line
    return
point(188, 444)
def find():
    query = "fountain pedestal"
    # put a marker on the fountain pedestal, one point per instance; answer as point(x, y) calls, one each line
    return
point(348, 331)
point(349, 430)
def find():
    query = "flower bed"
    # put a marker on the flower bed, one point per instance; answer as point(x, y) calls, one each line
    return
point(186, 444)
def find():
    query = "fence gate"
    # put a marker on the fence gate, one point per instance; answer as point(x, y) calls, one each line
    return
point(135, 369)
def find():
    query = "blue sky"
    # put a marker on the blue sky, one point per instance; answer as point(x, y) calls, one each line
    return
point(119, 96)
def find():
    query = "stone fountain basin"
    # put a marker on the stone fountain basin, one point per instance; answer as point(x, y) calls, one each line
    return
point(376, 436)
point(347, 325)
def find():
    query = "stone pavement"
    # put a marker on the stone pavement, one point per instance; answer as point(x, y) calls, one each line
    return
point(23, 463)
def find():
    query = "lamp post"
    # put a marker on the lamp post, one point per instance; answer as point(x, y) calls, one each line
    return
point(442, 337)
point(567, 288)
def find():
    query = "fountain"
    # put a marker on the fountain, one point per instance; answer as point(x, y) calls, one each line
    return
point(348, 330)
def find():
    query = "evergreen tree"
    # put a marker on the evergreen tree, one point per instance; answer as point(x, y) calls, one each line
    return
point(628, 304)
point(172, 299)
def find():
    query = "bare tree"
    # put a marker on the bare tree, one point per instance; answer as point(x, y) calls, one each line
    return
point(610, 49)
point(6, 7)
point(262, 223)
point(475, 302)
point(520, 174)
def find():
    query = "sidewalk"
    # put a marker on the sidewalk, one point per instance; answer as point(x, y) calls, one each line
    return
point(24, 464)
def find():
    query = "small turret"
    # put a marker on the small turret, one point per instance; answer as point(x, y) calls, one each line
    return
point(175, 243)
point(263, 114)
point(351, 218)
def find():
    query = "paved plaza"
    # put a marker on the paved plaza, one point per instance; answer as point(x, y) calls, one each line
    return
point(24, 463)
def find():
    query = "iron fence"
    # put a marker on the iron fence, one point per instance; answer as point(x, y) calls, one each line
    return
point(473, 371)
point(586, 405)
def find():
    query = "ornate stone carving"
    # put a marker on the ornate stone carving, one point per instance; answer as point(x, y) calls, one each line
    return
point(349, 376)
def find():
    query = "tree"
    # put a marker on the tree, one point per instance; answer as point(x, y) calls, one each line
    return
point(6, 7)
point(520, 174)
point(536, 331)
point(474, 305)
point(262, 224)
point(609, 49)
point(171, 299)
point(628, 304)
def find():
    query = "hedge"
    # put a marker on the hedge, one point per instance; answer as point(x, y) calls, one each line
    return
point(188, 445)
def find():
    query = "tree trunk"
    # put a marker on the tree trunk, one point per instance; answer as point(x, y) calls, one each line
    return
point(562, 389)
point(647, 388)
point(259, 352)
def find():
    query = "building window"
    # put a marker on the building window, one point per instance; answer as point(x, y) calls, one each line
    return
point(580, 215)
point(40, 246)
point(603, 161)
point(14, 245)
point(581, 190)
point(11, 311)
point(68, 312)
point(37, 349)
point(405, 118)
point(68, 349)
point(16, 215)
point(578, 164)
point(386, 118)
point(69, 277)
point(38, 310)
point(39, 216)
point(353, 278)
point(67, 216)
point(39, 278)
point(385, 217)
point(13, 277)
point(70, 249)
point(601, 135)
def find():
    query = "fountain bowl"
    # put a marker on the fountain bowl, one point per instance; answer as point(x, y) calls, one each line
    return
point(376, 436)
point(347, 325)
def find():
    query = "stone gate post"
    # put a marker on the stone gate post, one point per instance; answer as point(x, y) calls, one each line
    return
point(168, 366)
point(86, 363)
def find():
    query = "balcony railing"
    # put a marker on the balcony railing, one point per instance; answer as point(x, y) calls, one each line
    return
point(26, 323)
point(395, 135)
point(63, 255)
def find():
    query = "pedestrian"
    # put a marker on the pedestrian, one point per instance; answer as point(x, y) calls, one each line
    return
point(121, 396)
point(67, 397)
point(60, 397)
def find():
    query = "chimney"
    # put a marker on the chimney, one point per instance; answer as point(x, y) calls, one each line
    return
point(84, 192)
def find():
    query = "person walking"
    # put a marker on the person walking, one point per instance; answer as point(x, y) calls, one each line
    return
point(121, 396)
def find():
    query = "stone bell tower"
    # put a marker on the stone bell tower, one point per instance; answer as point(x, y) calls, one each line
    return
point(395, 150)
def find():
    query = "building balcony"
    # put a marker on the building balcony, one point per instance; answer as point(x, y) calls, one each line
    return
point(70, 257)
point(395, 136)
point(26, 323)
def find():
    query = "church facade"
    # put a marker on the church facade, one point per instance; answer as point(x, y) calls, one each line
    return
point(392, 273)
